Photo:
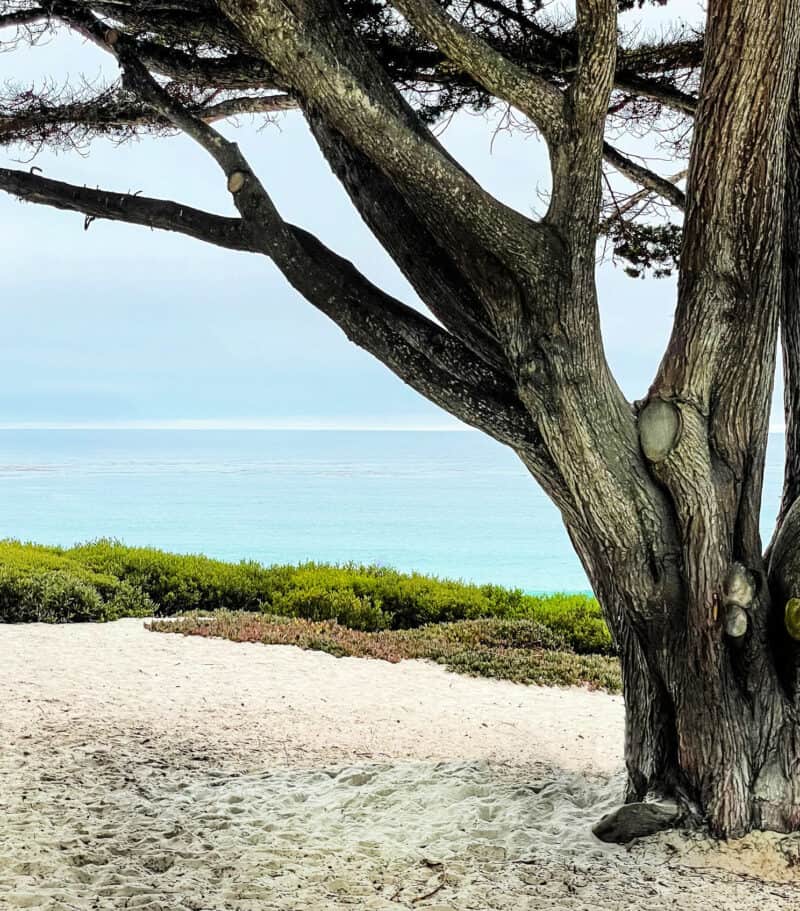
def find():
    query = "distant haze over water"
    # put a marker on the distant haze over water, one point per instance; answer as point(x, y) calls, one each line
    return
point(449, 502)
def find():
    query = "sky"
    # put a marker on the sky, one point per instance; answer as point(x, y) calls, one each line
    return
point(121, 325)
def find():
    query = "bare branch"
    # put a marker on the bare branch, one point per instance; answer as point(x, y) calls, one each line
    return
point(657, 90)
point(248, 194)
point(65, 119)
point(234, 71)
point(22, 17)
point(128, 208)
point(644, 177)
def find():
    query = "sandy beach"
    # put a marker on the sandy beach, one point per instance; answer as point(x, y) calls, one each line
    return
point(150, 771)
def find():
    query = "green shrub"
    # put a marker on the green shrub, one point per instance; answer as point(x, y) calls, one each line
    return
point(128, 601)
point(175, 582)
point(578, 619)
point(39, 584)
point(51, 596)
point(318, 603)
point(141, 580)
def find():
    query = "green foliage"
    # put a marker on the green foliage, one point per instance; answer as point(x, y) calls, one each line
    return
point(43, 584)
point(134, 581)
point(50, 596)
point(578, 620)
point(646, 247)
point(61, 596)
point(316, 602)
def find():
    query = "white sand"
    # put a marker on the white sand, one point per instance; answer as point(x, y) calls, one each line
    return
point(151, 771)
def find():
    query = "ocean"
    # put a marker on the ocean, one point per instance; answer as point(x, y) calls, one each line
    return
point(450, 503)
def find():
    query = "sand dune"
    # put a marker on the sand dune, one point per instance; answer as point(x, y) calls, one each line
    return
point(154, 772)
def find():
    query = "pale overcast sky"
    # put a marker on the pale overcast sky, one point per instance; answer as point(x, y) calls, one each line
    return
point(121, 324)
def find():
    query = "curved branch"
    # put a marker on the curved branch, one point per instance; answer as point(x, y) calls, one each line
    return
point(426, 357)
point(438, 275)
point(333, 73)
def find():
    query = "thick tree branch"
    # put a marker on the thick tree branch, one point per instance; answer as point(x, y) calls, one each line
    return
point(437, 275)
point(426, 357)
point(597, 53)
point(505, 79)
point(577, 161)
point(790, 310)
point(333, 73)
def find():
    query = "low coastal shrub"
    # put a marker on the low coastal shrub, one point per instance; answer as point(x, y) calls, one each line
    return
point(524, 651)
point(132, 581)
point(60, 596)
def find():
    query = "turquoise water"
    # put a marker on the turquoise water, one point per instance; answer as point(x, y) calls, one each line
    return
point(451, 503)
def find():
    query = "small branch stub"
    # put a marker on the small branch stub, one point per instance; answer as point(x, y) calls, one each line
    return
point(739, 587)
point(738, 591)
point(659, 429)
point(792, 618)
point(736, 621)
point(236, 181)
point(112, 37)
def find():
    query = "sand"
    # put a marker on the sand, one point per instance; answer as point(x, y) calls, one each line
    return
point(150, 771)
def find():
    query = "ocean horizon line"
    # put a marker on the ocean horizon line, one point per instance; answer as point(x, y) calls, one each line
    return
point(244, 424)
point(234, 425)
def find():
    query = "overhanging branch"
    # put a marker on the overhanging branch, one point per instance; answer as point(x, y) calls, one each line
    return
point(422, 354)
point(334, 75)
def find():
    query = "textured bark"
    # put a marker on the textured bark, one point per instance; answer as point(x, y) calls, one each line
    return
point(661, 499)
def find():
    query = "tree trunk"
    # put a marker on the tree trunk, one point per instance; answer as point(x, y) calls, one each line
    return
point(695, 729)
point(711, 717)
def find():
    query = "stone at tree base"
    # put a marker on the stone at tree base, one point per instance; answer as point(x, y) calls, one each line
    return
point(636, 820)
